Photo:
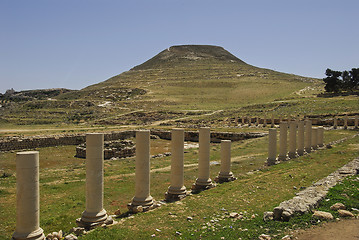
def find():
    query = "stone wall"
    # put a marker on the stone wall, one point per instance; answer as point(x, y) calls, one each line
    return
point(216, 137)
point(309, 198)
point(321, 121)
point(21, 143)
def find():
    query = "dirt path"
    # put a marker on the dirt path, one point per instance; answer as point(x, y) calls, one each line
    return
point(341, 230)
point(183, 118)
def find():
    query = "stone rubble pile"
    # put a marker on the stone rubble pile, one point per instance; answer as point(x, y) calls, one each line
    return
point(112, 149)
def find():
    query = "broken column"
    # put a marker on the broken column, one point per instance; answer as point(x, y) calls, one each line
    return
point(356, 122)
point(320, 137)
point(257, 121)
point(346, 122)
point(177, 190)
point(308, 136)
point(142, 201)
point(314, 138)
point(27, 197)
point(300, 149)
point(243, 120)
point(203, 181)
point(335, 123)
point(225, 174)
point(292, 140)
point(283, 128)
point(94, 213)
point(272, 146)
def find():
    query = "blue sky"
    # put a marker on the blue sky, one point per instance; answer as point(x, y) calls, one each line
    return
point(76, 43)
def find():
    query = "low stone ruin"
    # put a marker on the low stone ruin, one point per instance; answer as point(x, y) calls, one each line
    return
point(112, 149)
point(306, 200)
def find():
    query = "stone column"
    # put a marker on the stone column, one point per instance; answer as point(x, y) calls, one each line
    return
point(292, 140)
point(335, 123)
point(308, 136)
point(346, 122)
point(94, 213)
point(272, 122)
point(243, 120)
point(177, 190)
point(257, 121)
point(142, 199)
point(314, 138)
point(300, 149)
point(249, 121)
point(356, 122)
point(283, 129)
point(272, 146)
point(236, 121)
point(265, 121)
point(320, 137)
point(27, 197)
point(225, 174)
point(203, 181)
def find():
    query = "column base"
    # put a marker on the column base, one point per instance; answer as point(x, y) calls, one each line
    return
point(141, 205)
point(225, 177)
point(301, 153)
point(201, 185)
point(293, 155)
point(308, 150)
point(283, 158)
point(35, 235)
point(175, 194)
point(271, 162)
point(92, 220)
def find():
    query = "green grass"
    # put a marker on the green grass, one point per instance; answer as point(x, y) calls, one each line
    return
point(62, 187)
point(250, 195)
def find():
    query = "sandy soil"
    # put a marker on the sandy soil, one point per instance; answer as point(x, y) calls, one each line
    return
point(341, 230)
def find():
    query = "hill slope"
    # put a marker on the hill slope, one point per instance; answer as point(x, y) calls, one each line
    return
point(179, 81)
point(198, 77)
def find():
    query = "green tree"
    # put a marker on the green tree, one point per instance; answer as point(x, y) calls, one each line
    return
point(354, 78)
point(346, 81)
point(332, 81)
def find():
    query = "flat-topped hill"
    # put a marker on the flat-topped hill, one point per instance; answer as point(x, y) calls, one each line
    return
point(174, 55)
point(196, 77)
